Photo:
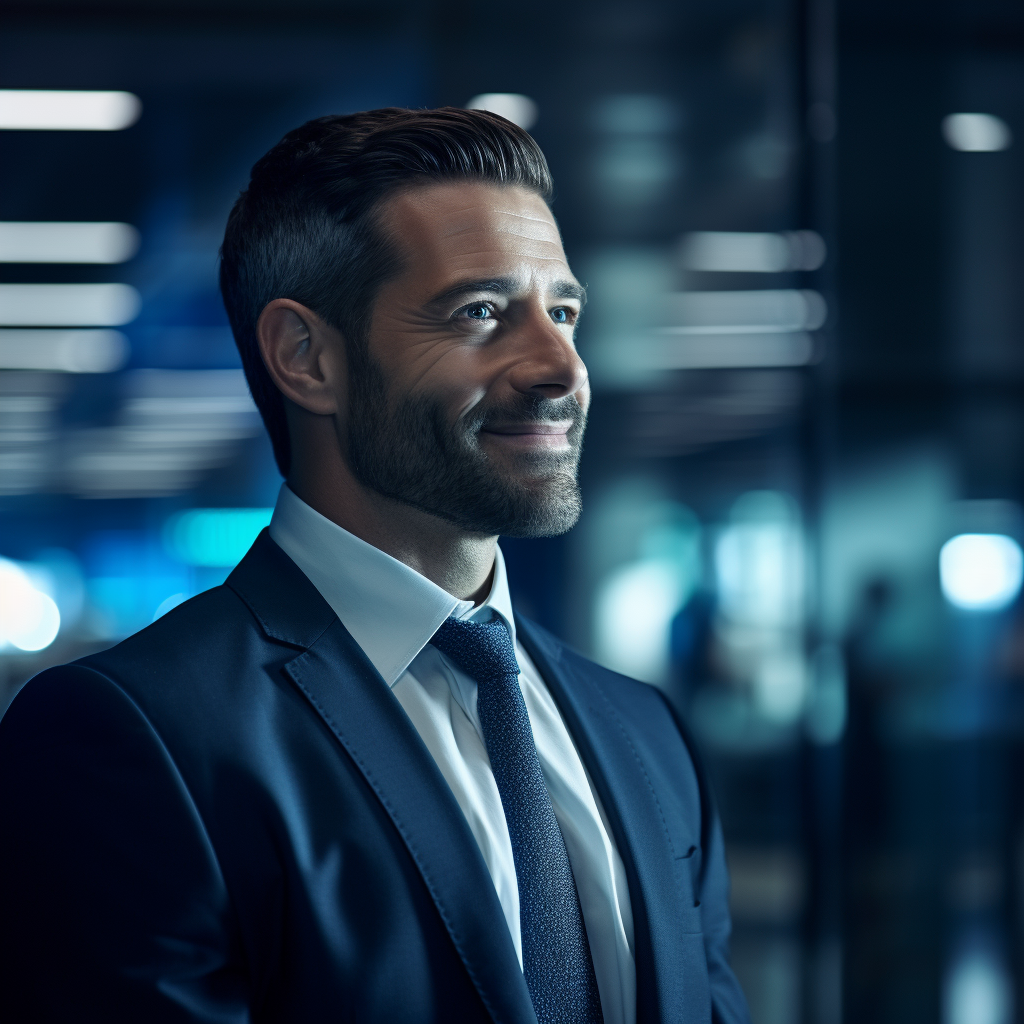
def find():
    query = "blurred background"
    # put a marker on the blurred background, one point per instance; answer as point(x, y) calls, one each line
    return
point(802, 228)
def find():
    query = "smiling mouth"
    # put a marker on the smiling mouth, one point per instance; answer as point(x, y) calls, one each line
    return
point(530, 435)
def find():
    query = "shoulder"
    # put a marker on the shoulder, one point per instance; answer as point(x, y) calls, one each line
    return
point(192, 638)
point(642, 709)
point(622, 691)
point(633, 733)
point(181, 667)
point(265, 609)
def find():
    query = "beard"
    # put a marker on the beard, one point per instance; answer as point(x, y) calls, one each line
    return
point(408, 451)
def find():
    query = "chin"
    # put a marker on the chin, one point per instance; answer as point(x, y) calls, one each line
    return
point(545, 507)
point(544, 522)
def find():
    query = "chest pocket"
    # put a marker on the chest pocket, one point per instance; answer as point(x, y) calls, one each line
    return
point(687, 875)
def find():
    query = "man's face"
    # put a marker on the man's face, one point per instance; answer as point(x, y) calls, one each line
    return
point(469, 400)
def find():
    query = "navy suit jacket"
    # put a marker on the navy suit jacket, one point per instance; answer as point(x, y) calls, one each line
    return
point(228, 817)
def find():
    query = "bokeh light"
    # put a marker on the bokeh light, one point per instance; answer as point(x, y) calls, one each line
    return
point(981, 571)
point(29, 618)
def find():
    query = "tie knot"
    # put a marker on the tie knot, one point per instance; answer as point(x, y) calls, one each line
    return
point(483, 650)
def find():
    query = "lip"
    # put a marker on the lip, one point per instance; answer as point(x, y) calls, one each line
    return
point(530, 435)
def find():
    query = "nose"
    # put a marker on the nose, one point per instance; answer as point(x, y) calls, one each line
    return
point(547, 362)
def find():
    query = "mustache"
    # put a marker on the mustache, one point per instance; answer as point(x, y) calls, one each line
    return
point(527, 409)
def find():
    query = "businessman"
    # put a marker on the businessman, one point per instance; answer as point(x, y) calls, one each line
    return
point(351, 784)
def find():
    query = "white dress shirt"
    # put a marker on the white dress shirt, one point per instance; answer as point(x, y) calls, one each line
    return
point(392, 612)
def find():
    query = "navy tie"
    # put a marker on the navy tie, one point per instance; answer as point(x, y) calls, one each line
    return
point(557, 965)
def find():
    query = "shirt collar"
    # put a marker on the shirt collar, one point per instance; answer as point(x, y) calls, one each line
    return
point(390, 609)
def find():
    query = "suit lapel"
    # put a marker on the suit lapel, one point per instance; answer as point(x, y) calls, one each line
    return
point(671, 969)
point(376, 734)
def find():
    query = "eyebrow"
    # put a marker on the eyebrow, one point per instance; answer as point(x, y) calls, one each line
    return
point(507, 286)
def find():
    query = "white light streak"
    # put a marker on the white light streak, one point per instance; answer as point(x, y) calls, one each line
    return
point(88, 351)
point(976, 133)
point(63, 110)
point(728, 351)
point(174, 426)
point(752, 252)
point(763, 311)
point(67, 242)
point(68, 305)
point(513, 106)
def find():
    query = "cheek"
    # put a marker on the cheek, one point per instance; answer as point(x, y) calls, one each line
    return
point(461, 400)
point(459, 381)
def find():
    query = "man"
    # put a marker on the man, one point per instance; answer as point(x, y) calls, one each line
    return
point(350, 784)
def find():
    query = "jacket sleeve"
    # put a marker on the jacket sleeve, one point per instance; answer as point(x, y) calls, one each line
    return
point(728, 1003)
point(112, 904)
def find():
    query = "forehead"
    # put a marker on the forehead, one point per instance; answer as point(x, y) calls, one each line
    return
point(475, 229)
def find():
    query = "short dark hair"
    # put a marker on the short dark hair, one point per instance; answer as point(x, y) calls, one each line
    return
point(306, 229)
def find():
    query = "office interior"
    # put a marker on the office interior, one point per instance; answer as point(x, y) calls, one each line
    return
point(801, 226)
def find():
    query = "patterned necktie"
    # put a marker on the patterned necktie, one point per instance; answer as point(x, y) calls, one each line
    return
point(557, 963)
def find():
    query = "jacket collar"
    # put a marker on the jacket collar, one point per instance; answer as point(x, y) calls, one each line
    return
point(286, 605)
point(347, 692)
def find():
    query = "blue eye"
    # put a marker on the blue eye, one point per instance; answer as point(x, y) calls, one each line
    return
point(560, 315)
point(478, 311)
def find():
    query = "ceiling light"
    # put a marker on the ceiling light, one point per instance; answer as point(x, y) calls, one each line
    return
point(67, 242)
point(763, 311)
point(976, 133)
point(755, 252)
point(88, 351)
point(68, 305)
point(512, 106)
point(63, 110)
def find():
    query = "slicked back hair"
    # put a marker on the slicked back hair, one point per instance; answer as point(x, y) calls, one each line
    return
point(306, 227)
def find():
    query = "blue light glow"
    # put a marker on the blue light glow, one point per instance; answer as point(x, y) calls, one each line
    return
point(978, 989)
point(214, 537)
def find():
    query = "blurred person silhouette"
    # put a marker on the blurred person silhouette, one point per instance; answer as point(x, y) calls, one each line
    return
point(869, 806)
point(350, 783)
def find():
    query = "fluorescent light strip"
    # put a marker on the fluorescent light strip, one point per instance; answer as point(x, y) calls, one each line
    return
point(175, 406)
point(733, 329)
point(187, 383)
point(68, 305)
point(67, 242)
point(752, 252)
point(761, 311)
point(63, 110)
point(63, 351)
point(976, 133)
point(730, 352)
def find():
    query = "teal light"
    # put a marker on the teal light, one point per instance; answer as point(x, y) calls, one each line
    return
point(214, 537)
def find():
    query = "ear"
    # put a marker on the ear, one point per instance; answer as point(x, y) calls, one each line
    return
point(304, 356)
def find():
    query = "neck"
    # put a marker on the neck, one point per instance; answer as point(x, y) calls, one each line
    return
point(459, 562)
